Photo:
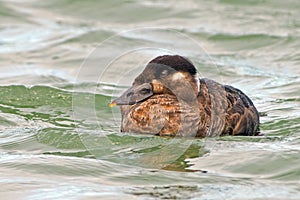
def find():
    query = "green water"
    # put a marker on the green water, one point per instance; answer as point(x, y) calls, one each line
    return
point(61, 63)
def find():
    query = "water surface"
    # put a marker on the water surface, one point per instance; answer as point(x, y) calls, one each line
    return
point(63, 61)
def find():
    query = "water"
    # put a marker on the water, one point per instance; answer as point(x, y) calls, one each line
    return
point(63, 61)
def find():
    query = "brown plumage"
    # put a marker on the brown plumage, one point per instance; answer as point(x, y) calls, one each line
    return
point(169, 99)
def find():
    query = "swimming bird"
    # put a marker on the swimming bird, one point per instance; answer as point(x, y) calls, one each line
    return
point(169, 99)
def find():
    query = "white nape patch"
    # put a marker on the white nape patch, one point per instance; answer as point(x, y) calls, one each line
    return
point(177, 76)
point(197, 80)
point(164, 73)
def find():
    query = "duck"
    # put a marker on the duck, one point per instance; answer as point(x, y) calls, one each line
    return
point(170, 99)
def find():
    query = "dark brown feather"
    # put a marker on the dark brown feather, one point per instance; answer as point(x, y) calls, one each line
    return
point(175, 105)
point(222, 110)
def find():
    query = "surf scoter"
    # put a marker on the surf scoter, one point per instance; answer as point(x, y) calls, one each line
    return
point(169, 99)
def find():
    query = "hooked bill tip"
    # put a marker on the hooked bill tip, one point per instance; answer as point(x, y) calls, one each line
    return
point(112, 104)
